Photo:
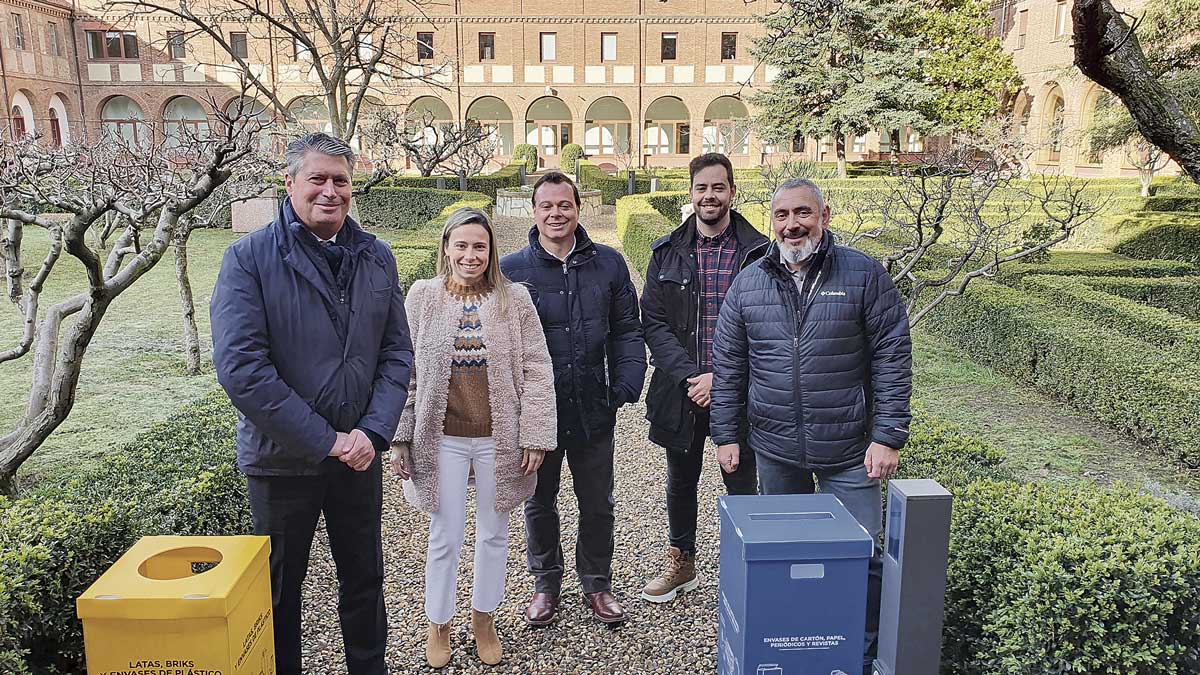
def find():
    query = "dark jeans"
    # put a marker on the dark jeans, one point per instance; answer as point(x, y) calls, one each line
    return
point(286, 508)
point(591, 465)
point(861, 497)
point(683, 477)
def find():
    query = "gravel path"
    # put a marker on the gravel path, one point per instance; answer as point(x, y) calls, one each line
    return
point(679, 637)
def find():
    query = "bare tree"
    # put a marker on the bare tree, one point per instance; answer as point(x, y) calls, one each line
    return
point(153, 187)
point(473, 159)
point(960, 215)
point(427, 143)
point(354, 50)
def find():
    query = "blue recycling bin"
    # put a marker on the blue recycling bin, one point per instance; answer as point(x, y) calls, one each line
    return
point(793, 593)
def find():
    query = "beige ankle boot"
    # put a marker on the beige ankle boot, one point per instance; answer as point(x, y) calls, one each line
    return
point(437, 645)
point(487, 643)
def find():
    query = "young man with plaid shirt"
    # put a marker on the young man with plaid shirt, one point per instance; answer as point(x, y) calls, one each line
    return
point(690, 271)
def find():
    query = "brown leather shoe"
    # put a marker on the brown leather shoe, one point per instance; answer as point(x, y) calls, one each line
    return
point(542, 609)
point(605, 606)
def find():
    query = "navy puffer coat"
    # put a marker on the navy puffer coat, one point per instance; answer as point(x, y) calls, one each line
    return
point(820, 377)
point(589, 312)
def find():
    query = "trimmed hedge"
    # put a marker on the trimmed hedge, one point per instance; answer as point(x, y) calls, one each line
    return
point(1172, 202)
point(526, 154)
point(1178, 295)
point(612, 188)
point(1155, 326)
point(1050, 578)
point(571, 153)
point(407, 208)
point(1094, 263)
point(638, 226)
point(1170, 237)
point(1125, 382)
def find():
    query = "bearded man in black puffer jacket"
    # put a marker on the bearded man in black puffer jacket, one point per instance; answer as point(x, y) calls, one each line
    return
point(812, 368)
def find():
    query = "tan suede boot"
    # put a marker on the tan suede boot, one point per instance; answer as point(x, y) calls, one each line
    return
point(487, 643)
point(677, 577)
point(437, 645)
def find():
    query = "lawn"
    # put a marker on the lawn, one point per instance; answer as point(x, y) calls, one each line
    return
point(135, 371)
point(134, 375)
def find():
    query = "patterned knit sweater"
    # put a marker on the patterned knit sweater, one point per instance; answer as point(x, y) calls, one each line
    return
point(468, 408)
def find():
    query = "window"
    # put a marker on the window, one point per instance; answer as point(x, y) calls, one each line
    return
point(548, 46)
point(669, 42)
point(1022, 27)
point(798, 142)
point(728, 46)
point(608, 46)
point(175, 44)
point(683, 142)
point(237, 45)
point(859, 144)
point(111, 45)
point(885, 142)
point(18, 24)
point(1062, 18)
point(18, 122)
point(55, 129)
point(53, 46)
point(487, 46)
point(424, 46)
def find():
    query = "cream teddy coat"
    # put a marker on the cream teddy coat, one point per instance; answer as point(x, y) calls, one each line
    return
point(520, 388)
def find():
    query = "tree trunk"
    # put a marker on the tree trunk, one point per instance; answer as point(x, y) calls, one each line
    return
point(1107, 52)
point(895, 146)
point(840, 144)
point(191, 336)
point(1145, 175)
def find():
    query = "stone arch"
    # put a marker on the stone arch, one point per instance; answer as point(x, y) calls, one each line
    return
point(548, 126)
point(21, 115)
point(608, 127)
point(667, 127)
point(727, 126)
point(311, 113)
point(125, 119)
point(1090, 153)
point(183, 119)
point(493, 114)
point(58, 127)
point(1052, 121)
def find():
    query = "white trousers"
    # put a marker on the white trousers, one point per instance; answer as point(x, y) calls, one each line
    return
point(448, 526)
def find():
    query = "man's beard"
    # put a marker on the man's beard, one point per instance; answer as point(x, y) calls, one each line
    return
point(721, 213)
point(793, 255)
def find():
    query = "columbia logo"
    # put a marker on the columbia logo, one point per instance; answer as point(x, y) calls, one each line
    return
point(842, 293)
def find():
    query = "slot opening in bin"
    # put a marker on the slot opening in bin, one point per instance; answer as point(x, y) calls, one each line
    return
point(801, 515)
point(180, 563)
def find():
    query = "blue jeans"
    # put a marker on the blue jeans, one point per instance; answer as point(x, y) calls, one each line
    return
point(862, 498)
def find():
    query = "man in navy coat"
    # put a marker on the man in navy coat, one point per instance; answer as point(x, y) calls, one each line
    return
point(589, 311)
point(311, 343)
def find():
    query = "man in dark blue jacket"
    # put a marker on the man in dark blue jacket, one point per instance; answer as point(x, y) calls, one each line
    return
point(311, 343)
point(689, 273)
point(813, 367)
point(589, 311)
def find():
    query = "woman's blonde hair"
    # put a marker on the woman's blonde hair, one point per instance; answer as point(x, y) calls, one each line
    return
point(469, 215)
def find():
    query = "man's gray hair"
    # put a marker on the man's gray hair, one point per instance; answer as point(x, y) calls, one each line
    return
point(320, 142)
point(795, 183)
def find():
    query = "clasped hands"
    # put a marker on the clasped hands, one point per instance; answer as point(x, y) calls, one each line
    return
point(354, 449)
point(402, 464)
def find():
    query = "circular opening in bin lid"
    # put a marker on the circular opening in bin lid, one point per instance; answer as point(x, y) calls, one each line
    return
point(180, 563)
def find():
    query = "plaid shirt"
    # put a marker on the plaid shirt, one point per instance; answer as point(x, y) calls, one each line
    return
point(715, 259)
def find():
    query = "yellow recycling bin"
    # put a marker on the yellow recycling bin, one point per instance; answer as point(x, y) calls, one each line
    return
point(157, 611)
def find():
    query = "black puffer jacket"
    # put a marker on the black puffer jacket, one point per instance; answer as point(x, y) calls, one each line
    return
point(818, 378)
point(589, 312)
point(670, 314)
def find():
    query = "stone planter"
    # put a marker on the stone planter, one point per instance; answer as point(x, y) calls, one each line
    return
point(516, 203)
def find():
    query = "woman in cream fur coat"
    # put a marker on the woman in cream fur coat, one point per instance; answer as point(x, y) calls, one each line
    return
point(481, 402)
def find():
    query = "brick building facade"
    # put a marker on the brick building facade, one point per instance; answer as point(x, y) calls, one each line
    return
point(667, 77)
